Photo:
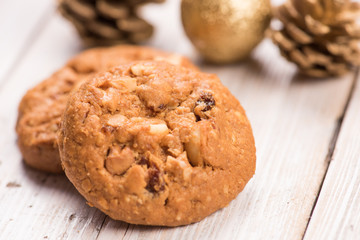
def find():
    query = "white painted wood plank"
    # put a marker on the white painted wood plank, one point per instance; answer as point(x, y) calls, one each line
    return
point(337, 212)
point(35, 205)
point(20, 21)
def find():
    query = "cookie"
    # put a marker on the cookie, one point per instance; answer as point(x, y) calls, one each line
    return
point(156, 144)
point(41, 108)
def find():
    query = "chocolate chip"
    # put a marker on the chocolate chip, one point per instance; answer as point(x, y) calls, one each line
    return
point(156, 182)
point(205, 103)
point(206, 100)
point(198, 118)
point(144, 161)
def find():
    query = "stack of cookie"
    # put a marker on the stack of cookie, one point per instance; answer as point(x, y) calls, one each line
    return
point(139, 131)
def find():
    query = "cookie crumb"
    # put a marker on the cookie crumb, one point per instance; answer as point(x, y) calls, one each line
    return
point(13, 185)
point(72, 216)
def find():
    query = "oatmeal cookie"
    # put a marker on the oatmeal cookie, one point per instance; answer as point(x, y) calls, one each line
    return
point(41, 108)
point(156, 144)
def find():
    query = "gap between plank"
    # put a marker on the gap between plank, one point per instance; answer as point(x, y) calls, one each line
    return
point(101, 226)
point(26, 46)
point(332, 145)
point(126, 230)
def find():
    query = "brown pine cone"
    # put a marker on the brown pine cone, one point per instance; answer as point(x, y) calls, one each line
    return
point(107, 22)
point(320, 36)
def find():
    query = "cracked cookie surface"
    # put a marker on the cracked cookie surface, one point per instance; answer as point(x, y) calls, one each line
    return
point(156, 144)
point(41, 108)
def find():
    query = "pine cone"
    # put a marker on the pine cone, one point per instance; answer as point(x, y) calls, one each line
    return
point(107, 22)
point(320, 36)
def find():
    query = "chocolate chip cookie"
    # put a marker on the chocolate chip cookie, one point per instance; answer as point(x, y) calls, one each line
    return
point(41, 108)
point(156, 144)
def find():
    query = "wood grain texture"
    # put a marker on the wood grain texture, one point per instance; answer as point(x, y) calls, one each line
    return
point(19, 28)
point(35, 205)
point(293, 119)
point(336, 215)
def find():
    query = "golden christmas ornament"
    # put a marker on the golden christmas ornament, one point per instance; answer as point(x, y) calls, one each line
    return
point(321, 37)
point(225, 31)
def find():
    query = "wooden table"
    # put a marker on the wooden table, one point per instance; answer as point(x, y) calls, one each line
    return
point(307, 135)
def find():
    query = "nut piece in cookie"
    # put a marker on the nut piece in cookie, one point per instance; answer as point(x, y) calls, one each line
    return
point(177, 144)
point(119, 160)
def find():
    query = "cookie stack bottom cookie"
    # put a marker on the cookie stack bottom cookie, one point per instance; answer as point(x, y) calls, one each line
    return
point(41, 108)
point(156, 144)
